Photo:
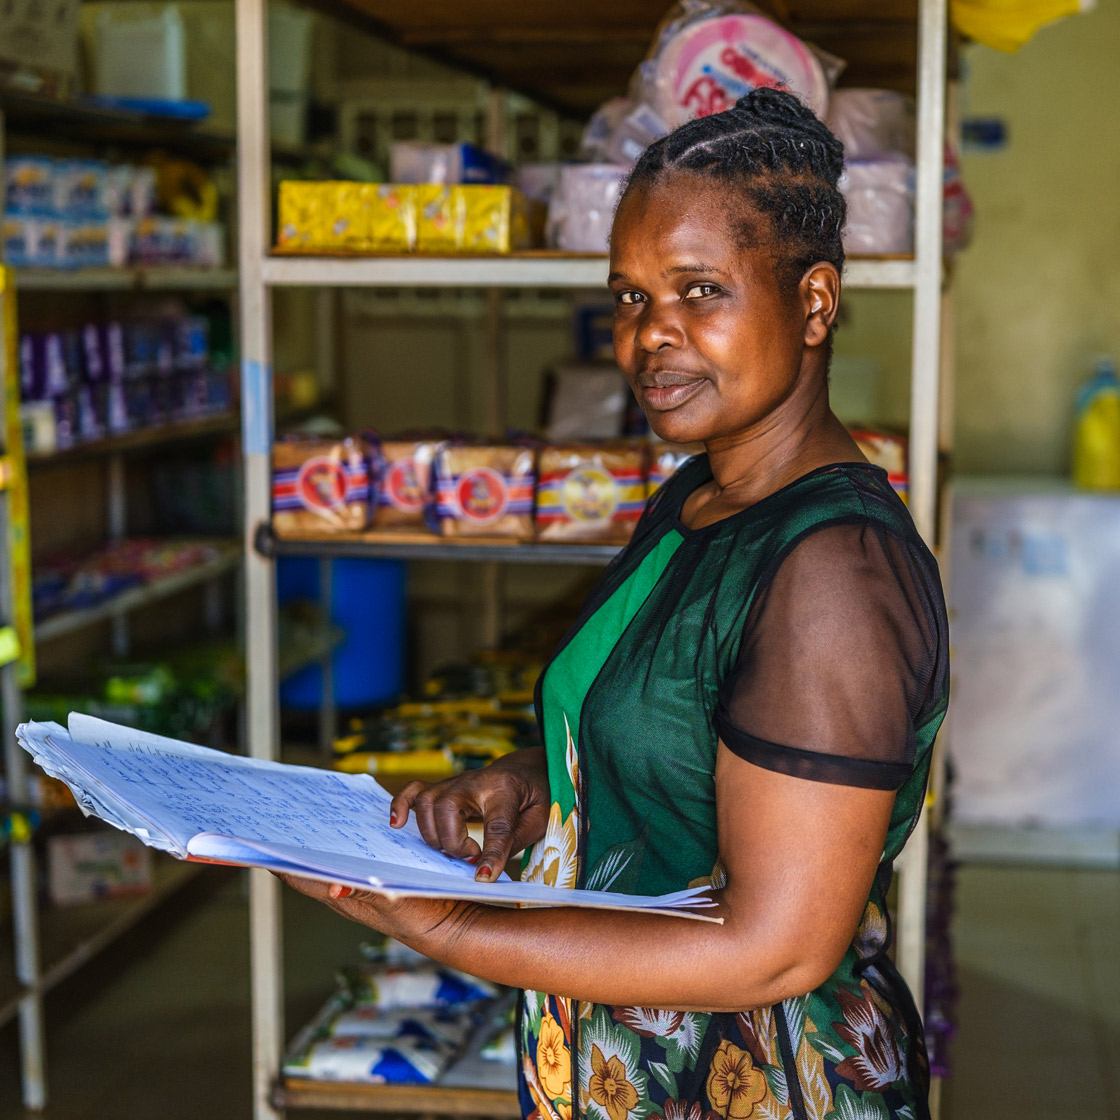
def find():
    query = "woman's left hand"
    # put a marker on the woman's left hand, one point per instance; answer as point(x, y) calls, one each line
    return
point(410, 920)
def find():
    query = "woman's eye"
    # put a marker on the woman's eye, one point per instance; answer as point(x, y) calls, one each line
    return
point(628, 298)
point(698, 291)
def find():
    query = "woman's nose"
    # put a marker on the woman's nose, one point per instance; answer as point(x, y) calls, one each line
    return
point(658, 329)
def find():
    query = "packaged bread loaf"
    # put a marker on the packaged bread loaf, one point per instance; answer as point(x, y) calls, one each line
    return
point(665, 459)
point(590, 492)
point(320, 485)
point(404, 469)
point(485, 491)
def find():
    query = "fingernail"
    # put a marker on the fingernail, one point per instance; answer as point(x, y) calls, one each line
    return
point(483, 872)
point(472, 859)
point(393, 820)
point(339, 891)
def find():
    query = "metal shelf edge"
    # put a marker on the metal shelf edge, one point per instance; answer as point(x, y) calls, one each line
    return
point(527, 553)
point(156, 278)
point(70, 621)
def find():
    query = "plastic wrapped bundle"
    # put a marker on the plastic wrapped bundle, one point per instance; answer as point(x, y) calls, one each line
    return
point(714, 54)
point(872, 122)
point(404, 470)
point(485, 491)
point(880, 197)
point(320, 485)
point(590, 493)
point(582, 208)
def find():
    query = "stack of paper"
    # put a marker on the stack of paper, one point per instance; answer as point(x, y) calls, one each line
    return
point(203, 804)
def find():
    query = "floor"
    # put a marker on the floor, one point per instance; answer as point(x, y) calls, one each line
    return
point(159, 1027)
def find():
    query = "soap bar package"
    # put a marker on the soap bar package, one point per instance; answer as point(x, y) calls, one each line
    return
point(346, 217)
point(590, 492)
point(485, 491)
point(320, 485)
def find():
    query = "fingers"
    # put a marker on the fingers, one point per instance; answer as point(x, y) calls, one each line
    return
point(401, 804)
point(497, 846)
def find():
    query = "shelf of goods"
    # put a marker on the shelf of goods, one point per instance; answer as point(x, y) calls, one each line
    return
point(919, 25)
point(48, 947)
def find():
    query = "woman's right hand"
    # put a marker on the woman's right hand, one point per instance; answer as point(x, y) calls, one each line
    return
point(510, 796)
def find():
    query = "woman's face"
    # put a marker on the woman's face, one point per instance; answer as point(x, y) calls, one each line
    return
point(710, 343)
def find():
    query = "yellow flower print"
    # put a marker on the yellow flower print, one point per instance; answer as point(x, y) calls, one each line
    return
point(554, 1059)
point(735, 1084)
point(553, 861)
point(609, 1086)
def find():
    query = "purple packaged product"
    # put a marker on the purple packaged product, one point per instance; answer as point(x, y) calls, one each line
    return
point(116, 408)
point(93, 363)
point(112, 351)
point(30, 374)
point(165, 347)
point(56, 377)
point(65, 421)
point(90, 426)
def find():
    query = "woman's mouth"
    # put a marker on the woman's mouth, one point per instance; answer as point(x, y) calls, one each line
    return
point(666, 391)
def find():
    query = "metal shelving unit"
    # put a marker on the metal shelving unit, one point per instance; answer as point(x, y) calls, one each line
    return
point(261, 271)
point(49, 947)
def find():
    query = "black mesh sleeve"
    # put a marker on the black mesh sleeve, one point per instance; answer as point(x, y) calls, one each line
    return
point(838, 659)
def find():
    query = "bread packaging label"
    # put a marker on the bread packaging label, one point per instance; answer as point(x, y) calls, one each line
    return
point(320, 485)
point(485, 491)
point(590, 493)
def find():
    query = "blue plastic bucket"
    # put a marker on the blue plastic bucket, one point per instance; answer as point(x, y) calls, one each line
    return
point(368, 604)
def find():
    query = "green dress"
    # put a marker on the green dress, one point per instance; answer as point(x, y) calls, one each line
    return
point(808, 633)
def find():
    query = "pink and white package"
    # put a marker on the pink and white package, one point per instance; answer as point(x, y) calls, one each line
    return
point(708, 64)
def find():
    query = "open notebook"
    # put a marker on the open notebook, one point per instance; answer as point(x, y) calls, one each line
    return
point(203, 804)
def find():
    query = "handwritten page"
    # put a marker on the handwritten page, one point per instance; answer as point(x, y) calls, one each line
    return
point(194, 801)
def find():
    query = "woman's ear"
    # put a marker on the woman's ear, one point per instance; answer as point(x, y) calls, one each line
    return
point(820, 294)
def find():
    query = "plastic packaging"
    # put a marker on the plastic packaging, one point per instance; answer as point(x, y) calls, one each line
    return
point(485, 491)
point(320, 486)
point(590, 492)
point(880, 197)
point(708, 53)
point(872, 122)
point(1008, 24)
point(582, 209)
point(1096, 433)
point(418, 161)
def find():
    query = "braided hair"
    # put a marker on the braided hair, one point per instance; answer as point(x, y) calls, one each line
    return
point(780, 159)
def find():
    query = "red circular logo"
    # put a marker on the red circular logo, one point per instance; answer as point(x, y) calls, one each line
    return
point(482, 495)
point(402, 486)
point(321, 484)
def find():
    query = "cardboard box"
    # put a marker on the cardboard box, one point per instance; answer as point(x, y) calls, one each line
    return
point(89, 866)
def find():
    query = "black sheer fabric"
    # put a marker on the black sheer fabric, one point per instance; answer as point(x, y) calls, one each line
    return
point(842, 652)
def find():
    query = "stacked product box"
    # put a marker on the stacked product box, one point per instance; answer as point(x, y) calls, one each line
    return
point(348, 217)
point(107, 378)
point(83, 213)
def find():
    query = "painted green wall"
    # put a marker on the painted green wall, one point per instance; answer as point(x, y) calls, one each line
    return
point(1038, 291)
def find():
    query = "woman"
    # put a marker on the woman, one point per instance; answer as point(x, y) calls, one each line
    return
point(748, 699)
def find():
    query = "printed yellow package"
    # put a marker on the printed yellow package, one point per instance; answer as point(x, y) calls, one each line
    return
point(320, 485)
point(471, 218)
point(590, 492)
point(404, 470)
point(346, 217)
point(436, 227)
point(494, 219)
point(485, 491)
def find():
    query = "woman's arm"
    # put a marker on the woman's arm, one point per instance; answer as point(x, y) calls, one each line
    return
point(800, 859)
